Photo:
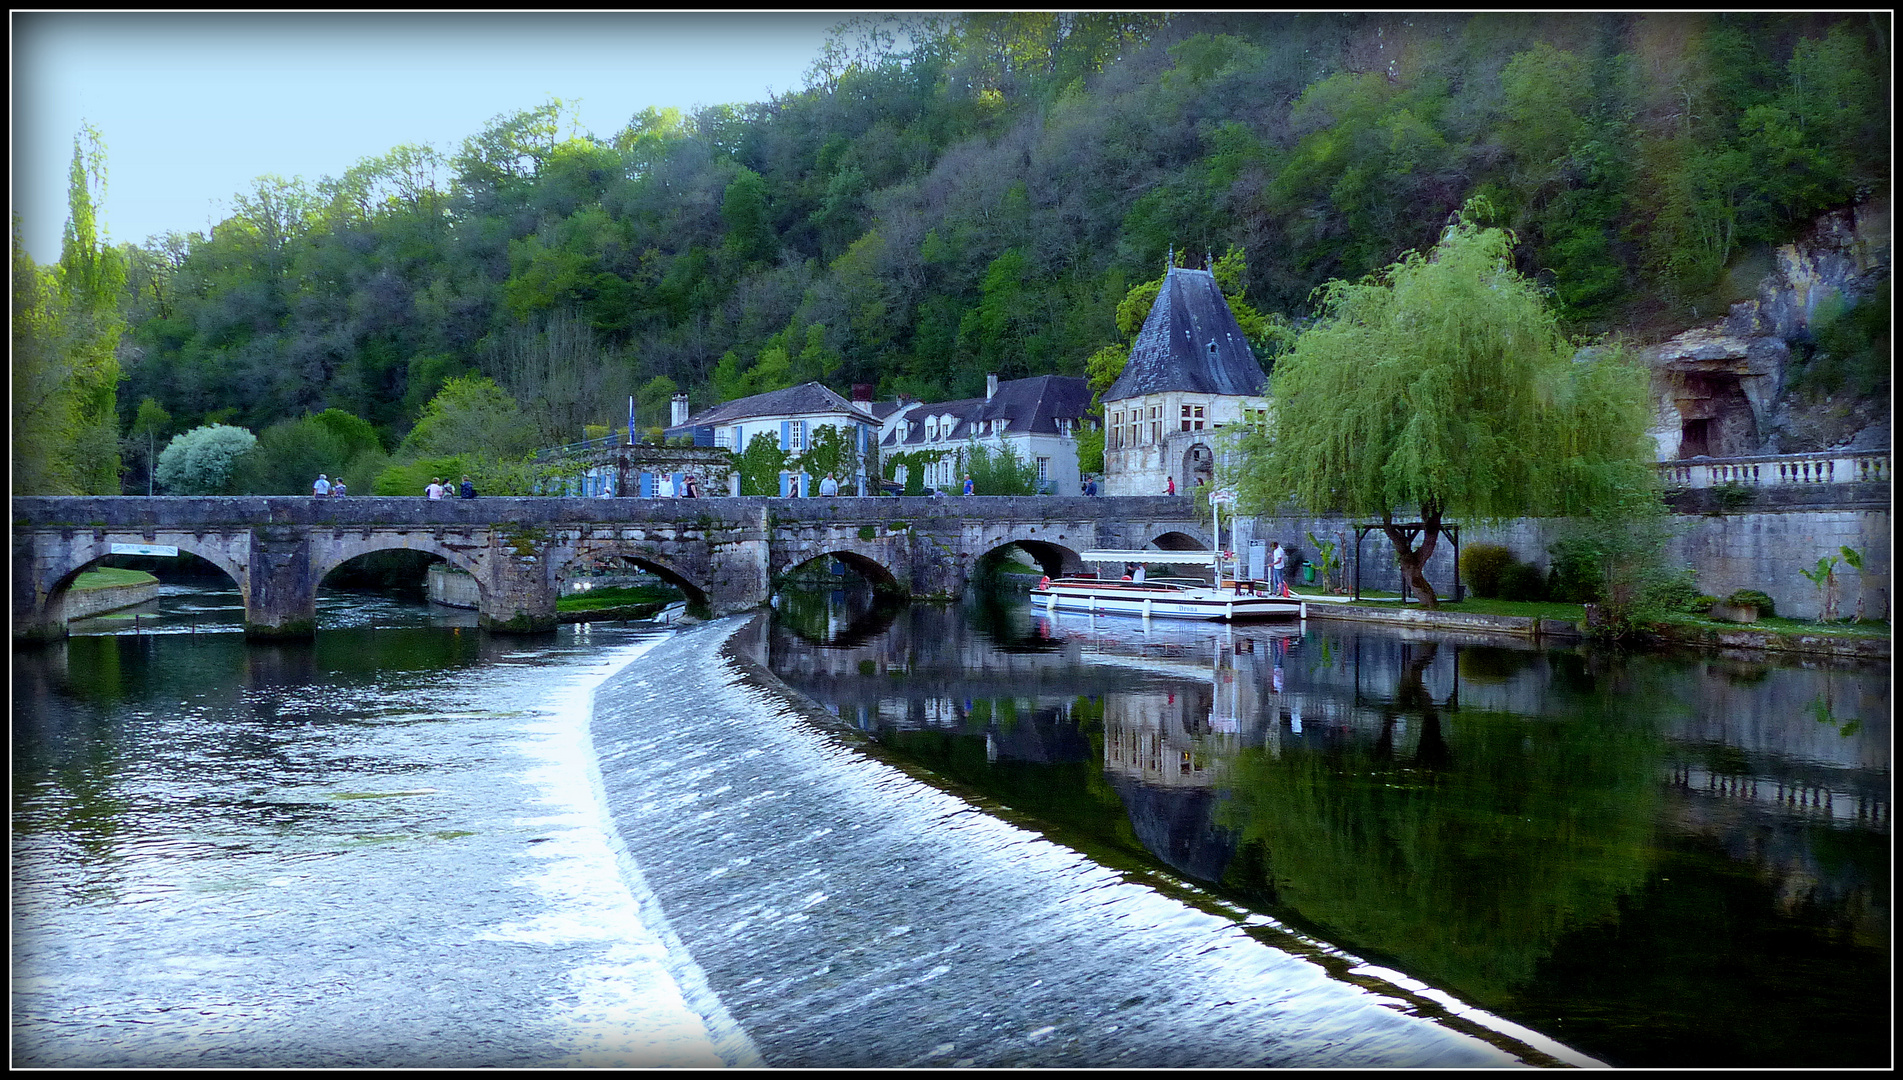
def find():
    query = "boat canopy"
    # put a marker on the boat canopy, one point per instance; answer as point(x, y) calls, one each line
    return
point(1184, 558)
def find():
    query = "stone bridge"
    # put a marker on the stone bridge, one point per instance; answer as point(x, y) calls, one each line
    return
point(723, 553)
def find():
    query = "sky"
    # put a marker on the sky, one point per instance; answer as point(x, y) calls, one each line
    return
point(193, 107)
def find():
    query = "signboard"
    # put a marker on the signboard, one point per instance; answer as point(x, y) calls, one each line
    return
point(145, 549)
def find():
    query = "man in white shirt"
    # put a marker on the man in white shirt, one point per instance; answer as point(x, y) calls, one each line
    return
point(829, 486)
point(1277, 560)
point(322, 487)
point(665, 489)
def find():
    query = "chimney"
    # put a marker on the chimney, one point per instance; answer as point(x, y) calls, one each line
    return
point(862, 393)
point(680, 411)
point(991, 386)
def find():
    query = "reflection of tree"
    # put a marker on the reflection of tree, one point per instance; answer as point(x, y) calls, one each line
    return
point(1411, 696)
point(1464, 862)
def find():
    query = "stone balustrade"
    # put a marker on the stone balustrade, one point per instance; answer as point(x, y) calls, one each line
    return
point(1828, 467)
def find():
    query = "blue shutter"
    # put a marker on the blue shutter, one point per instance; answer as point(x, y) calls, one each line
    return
point(647, 485)
point(786, 433)
point(783, 485)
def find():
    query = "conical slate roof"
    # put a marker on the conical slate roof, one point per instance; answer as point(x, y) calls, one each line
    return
point(1189, 342)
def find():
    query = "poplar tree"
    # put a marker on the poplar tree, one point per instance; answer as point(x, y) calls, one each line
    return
point(1443, 386)
point(66, 327)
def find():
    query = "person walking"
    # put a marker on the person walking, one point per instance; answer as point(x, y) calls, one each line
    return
point(692, 485)
point(829, 486)
point(1277, 561)
point(321, 486)
point(1169, 485)
point(469, 488)
point(969, 488)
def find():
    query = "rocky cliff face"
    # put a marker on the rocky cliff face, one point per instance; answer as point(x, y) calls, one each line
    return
point(1722, 389)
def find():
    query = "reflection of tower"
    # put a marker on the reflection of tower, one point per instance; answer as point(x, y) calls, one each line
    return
point(1147, 738)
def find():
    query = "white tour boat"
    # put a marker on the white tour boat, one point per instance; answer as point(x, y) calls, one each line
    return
point(1230, 597)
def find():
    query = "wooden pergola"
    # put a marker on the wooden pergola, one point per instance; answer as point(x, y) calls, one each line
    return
point(1411, 530)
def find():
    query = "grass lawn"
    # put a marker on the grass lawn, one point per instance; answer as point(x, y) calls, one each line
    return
point(595, 599)
point(1869, 628)
point(108, 577)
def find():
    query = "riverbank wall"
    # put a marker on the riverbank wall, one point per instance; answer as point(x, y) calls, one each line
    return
point(1556, 631)
point(83, 602)
point(1760, 541)
point(453, 588)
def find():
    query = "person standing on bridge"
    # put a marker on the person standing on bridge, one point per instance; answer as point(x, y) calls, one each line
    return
point(435, 490)
point(829, 486)
point(969, 488)
point(469, 488)
point(337, 489)
point(321, 487)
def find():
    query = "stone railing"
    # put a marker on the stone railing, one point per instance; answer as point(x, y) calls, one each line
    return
point(1829, 467)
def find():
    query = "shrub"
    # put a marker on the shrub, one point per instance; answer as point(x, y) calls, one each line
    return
point(1677, 593)
point(1522, 581)
point(204, 460)
point(1766, 607)
point(1482, 566)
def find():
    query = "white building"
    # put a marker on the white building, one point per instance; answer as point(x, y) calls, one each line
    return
point(790, 417)
point(1036, 417)
point(1191, 372)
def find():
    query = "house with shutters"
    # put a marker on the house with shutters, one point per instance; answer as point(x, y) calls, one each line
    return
point(790, 417)
point(1037, 418)
point(1191, 373)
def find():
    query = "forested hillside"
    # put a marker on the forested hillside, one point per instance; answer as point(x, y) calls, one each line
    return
point(955, 198)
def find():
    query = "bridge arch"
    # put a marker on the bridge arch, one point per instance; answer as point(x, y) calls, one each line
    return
point(869, 567)
point(82, 557)
point(1055, 559)
point(341, 551)
point(596, 559)
point(1181, 540)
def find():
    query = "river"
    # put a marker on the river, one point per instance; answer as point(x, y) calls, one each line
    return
point(405, 845)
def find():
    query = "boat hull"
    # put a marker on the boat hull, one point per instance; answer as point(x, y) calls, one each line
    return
point(1206, 604)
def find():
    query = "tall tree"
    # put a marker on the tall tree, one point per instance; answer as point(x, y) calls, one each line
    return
point(1444, 384)
point(66, 328)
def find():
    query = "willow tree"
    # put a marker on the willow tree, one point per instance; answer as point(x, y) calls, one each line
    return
point(1443, 387)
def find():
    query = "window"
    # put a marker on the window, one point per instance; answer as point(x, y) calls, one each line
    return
point(796, 437)
point(1043, 470)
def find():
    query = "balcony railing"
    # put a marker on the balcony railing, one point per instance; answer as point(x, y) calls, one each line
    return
point(1829, 467)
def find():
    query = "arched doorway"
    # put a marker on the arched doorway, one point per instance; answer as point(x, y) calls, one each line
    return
point(1199, 466)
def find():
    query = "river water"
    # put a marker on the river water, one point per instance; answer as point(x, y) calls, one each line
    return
point(1001, 840)
point(1675, 859)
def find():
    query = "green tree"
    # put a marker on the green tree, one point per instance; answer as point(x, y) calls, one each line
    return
point(290, 454)
point(999, 471)
point(654, 402)
point(204, 460)
point(148, 426)
point(1445, 384)
point(761, 464)
point(66, 329)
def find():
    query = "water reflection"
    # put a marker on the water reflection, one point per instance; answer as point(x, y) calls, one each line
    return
point(1632, 854)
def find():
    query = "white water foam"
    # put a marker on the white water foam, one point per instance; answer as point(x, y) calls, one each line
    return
point(642, 1002)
